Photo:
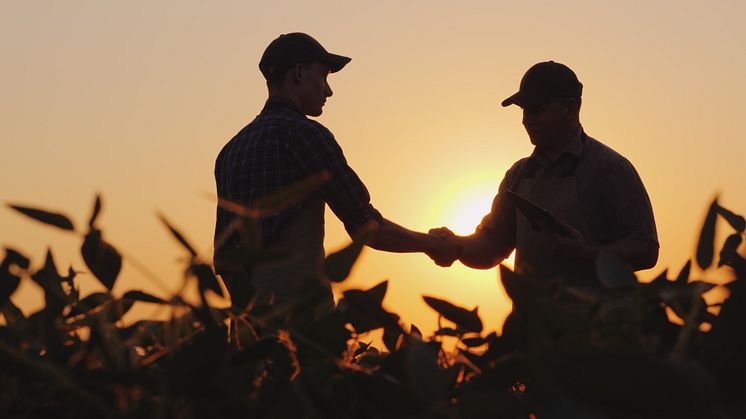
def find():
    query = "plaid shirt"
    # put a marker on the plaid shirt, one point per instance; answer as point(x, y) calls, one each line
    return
point(278, 148)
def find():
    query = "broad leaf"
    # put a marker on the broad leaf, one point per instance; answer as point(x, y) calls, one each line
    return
point(338, 265)
point(101, 258)
point(466, 319)
point(736, 221)
point(391, 337)
point(705, 247)
point(729, 252)
point(365, 312)
point(46, 217)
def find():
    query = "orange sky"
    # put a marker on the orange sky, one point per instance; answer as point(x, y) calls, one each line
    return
point(135, 99)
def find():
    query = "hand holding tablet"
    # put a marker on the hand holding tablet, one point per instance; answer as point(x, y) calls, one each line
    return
point(540, 218)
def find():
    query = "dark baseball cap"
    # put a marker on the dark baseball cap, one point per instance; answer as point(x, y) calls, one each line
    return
point(290, 49)
point(543, 82)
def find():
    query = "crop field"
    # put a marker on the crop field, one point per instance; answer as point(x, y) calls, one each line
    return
point(563, 353)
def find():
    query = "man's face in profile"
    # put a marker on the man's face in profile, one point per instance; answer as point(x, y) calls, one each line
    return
point(546, 122)
point(314, 88)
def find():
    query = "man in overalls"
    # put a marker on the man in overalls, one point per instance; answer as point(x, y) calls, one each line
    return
point(593, 191)
point(282, 147)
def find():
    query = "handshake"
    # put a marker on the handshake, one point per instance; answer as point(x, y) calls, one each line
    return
point(446, 247)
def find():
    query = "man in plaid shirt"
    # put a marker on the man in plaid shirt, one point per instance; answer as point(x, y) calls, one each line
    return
point(281, 147)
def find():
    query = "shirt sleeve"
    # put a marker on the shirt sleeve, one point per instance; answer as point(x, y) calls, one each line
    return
point(625, 204)
point(500, 223)
point(346, 195)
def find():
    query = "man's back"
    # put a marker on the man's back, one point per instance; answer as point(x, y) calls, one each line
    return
point(259, 161)
point(281, 147)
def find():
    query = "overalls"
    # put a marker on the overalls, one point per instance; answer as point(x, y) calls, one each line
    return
point(534, 253)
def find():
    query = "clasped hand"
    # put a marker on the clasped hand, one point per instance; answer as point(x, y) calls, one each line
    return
point(447, 247)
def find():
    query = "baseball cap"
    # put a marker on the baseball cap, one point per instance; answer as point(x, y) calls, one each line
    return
point(293, 48)
point(544, 81)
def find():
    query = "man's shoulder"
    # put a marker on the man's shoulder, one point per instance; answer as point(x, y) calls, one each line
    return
point(602, 155)
point(514, 174)
point(603, 162)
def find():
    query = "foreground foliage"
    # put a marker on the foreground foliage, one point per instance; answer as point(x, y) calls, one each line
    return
point(564, 352)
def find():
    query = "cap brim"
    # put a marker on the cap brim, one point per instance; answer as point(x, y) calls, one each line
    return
point(336, 62)
point(524, 100)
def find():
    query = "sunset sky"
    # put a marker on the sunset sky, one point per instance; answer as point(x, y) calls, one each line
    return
point(135, 99)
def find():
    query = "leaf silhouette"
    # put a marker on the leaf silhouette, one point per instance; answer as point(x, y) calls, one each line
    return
point(729, 252)
point(705, 247)
point(415, 331)
point(365, 311)
point(46, 217)
point(683, 277)
point(514, 285)
point(101, 258)
point(391, 338)
point(177, 235)
point(474, 342)
point(378, 292)
point(662, 278)
point(338, 265)
point(447, 331)
point(89, 302)
point(205, 277)
point(466, 319)
point(736, 221)
point(50, 281)
point(137, 295)
point(8, 281)
point(96, 211)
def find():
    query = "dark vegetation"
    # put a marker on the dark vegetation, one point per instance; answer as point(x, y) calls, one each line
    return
point(563, 353)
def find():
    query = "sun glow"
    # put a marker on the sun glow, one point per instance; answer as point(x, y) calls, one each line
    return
point(464, 203)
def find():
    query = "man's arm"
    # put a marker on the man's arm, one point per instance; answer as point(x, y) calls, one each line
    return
point(637, 253)
point(391, 237)
point(349, 199)
point(478, 251)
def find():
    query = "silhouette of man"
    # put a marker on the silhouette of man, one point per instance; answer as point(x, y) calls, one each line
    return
point(593, 191)
point(280, 147)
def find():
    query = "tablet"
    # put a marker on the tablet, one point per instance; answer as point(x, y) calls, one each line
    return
point(539, 217)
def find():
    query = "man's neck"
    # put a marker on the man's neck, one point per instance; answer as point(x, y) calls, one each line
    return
point(283, 93)
point(553, 152)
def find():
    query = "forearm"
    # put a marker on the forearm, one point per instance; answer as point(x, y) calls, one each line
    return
point(481, 252)
point(391, 237)
point(638, 254)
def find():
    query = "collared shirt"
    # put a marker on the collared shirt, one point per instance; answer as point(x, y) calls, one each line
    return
point(281, 147)
point(611, 194)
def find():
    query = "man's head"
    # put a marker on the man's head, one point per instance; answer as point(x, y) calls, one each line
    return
point(550, 96)
point(296, 66)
